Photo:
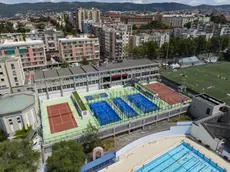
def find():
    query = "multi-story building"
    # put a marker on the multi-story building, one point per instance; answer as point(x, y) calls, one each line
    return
point(177, 20)
point(11, 73)
point(49, 37)
point(137, 40)
point(62, 82)
point(113, 39)
point(32, 53)
point(136, 20)
point(77, 17)
point(87, 26)
point(73, 50)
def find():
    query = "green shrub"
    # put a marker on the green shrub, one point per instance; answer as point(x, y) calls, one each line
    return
point(2, 136)
point(23, 132)
point(79, 101)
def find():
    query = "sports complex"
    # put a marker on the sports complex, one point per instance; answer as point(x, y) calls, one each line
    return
point(65, 118)
point(212, 79)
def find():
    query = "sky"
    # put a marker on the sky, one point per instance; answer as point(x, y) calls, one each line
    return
point(189, 2)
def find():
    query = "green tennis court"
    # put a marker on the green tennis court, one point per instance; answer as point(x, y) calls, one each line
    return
point(212, 79)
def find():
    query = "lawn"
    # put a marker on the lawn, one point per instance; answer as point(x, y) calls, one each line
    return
point(212, 79)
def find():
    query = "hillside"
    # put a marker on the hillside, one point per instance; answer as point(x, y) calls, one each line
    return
point(7, 10)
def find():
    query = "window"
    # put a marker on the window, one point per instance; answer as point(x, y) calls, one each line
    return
point(14, 73)
point(15, 79)
point(10, 121)
point(2, 79)
point(12, 66)
point(1, 73)
point(208, 111)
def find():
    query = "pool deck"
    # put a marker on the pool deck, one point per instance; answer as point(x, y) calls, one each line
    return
point(82, 123)
point(146, 152)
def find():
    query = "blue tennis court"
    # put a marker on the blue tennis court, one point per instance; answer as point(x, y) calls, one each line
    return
point(182, 158)
point(88, 98)
point(124, 107)
point(104, 113)
point(142, 103)
point(103, 95)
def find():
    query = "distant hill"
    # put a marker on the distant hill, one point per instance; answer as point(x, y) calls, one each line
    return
point(7, 10)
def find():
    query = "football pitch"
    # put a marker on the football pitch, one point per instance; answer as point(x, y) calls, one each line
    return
point(212, 79)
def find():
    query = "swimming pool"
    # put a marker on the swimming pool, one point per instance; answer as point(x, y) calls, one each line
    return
point(180, 159)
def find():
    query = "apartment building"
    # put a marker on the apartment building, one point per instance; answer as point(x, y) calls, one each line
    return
point(137, 40)
point(32, 53)
point(77, 17)
point(136, 20)
point(49, 37)
point(87, 26)
point(11, 73)
point(72, 50)
point(62, 82)
point(97, 31)
point(177, 20)
point(113, 39)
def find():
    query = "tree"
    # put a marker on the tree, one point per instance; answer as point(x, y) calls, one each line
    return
point(18, 156)
point(214, 44)
point(224, 42)
point(126, 49)
point(40, 26)
point(151, 49)
point(90, 138)
point(138, 52)
point(65, 64)
point(67, 156)
point(219, 19)
point(135, 27)
point(188, 25)
point(201, 44)
point(85, 61)
point(2, 136)
point(227, 55)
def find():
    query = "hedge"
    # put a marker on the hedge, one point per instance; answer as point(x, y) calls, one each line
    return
point(79, 101)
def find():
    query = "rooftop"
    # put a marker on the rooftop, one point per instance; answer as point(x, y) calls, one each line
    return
point(15, 103)
point(21, 43)
point(209, 99)
point(9, 58)
point(74, 39)
point(126, 64)
point(78, 70)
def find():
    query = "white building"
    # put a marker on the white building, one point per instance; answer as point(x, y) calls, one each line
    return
point(113, 39)
point(73, 50)
point(11, 74)
point(177, 20)
point(49, 37)
point(17, 112)
point(77, 17)
point(159, 38)
point(32, 53)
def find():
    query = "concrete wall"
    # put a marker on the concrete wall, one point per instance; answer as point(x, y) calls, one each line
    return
point(174, 131)
point(226, 154)
point(200, 133)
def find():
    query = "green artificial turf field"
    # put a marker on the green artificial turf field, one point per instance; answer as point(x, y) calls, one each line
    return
point(212, 79)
